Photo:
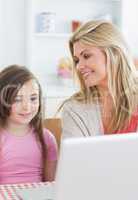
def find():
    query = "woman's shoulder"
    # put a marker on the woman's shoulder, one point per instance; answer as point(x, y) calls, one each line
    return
point(70, 103)
point(73, 104)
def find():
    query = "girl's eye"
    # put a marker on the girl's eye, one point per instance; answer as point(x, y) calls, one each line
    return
point(16, 100)
point(34, 98)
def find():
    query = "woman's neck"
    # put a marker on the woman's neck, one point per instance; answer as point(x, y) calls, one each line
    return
point(106, 107)
point(103, 91)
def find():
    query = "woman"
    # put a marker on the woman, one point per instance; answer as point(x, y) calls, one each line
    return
point(107, 102)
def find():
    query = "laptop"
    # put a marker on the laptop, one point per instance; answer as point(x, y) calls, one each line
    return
point(42, 192)
point(98, 168)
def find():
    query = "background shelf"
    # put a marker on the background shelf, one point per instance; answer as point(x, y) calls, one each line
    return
point(56, 35)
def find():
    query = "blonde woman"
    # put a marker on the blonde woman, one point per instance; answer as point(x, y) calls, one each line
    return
point(107, 102)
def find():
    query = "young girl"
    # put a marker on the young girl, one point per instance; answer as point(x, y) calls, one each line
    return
point(28, 153)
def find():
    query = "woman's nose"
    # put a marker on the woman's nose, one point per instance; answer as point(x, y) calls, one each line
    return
point(80, 65)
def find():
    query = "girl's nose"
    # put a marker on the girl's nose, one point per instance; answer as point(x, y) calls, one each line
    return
point(26, 105)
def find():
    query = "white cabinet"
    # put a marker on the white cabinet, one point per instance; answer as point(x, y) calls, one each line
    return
point(53, 97)
point(52, 104)
point(45, 49)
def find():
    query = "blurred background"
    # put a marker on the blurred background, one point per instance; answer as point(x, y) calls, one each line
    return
point(35, 33)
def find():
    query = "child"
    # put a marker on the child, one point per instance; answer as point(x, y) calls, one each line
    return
point(28, 153)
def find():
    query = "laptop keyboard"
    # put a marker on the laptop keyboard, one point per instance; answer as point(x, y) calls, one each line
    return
point(45, 192)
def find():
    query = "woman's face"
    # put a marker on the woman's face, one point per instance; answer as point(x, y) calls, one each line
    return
point(91, 64)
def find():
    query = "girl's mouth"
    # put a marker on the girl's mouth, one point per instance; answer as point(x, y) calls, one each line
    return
point(25, 114)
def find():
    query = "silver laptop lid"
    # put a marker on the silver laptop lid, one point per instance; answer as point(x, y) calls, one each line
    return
point(102, 167)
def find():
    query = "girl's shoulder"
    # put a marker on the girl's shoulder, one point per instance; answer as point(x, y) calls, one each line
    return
point(49, 136)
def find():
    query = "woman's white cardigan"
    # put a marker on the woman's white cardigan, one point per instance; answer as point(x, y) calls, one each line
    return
point(79, 119)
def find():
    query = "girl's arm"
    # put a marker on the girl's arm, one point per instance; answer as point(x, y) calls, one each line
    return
point(51, 156)
point(50, 171)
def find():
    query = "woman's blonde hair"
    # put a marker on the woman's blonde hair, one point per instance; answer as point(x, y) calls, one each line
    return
point(121, 72)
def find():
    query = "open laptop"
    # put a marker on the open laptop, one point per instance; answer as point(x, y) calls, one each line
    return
point(42, 192)
point(98, 168)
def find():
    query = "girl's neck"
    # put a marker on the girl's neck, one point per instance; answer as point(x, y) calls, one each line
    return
point(17, 129)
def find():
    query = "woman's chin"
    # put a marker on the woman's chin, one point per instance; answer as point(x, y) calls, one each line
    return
point(90, 84)
point(99, 83)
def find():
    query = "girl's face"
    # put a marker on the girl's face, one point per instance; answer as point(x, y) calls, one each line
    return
point(91, 64)
point(26, 104)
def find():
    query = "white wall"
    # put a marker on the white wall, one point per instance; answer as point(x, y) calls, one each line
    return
point(130, 24)
point(12, 31)
point(12, 35)
point(1, 34)
point(44, 53)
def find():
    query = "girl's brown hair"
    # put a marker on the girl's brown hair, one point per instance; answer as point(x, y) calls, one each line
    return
point(12, 78)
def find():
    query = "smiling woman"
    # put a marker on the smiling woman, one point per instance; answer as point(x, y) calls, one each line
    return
point(107, 102)
point(22, 136)
point(91, 64)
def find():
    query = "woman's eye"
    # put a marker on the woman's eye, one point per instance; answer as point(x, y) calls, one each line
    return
point(86, 56)
point(76, 61)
